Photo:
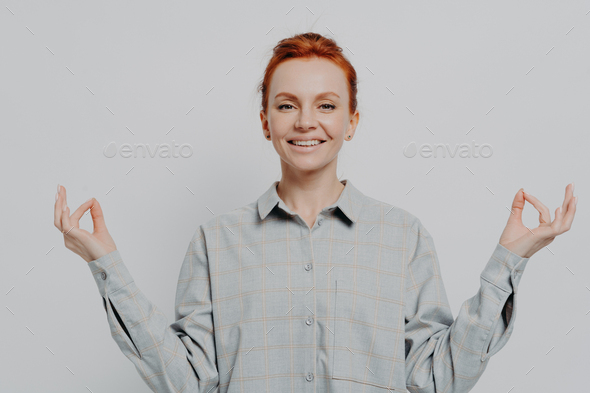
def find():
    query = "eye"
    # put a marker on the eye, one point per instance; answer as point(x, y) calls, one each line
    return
point(324, 106)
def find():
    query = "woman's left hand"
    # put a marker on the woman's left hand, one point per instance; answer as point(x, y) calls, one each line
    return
point(524, 241)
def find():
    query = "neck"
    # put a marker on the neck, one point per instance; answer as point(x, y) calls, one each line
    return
point(309, 196)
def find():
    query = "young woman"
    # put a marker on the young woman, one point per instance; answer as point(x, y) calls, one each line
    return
point(313, 287)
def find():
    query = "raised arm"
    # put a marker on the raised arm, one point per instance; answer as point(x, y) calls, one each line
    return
point(444, 354)
point(170, 358)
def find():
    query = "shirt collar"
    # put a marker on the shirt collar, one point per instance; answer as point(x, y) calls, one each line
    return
point(350, 201)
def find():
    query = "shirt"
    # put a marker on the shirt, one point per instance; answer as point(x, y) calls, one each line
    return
point(356, 303)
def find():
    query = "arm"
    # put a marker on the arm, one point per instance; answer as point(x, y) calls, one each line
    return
point(170, 358)
point(447, 354)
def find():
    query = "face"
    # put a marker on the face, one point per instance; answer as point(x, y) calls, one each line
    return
point(308, 99)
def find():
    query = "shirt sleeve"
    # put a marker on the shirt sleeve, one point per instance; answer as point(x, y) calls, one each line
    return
point(449, 355)
point(170, 358)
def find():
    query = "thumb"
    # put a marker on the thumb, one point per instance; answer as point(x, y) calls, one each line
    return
point(517, 206)
point(97, 216)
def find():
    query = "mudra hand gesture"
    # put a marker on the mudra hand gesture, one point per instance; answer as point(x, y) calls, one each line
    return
point(524, 241)
point(89, 246)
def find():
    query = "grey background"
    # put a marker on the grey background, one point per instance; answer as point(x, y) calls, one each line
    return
point(76, 76)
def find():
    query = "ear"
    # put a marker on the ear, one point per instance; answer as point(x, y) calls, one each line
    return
point(354, 121)
point(264, 121)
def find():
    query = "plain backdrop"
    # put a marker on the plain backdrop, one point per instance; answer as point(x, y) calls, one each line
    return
point(76, 77)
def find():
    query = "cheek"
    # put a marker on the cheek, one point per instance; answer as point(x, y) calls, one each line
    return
point(336, 126)
point(280, 125)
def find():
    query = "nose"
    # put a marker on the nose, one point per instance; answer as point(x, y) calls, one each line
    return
point(306, 119)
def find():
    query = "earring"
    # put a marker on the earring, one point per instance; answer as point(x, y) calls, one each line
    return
point(268, 137)
point(349, 137)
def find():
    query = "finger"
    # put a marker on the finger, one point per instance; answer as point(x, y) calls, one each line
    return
point(568, 218)
point(544, 214)
point(80, 211)
point(97, 216)
point(556, 224)
point(67, 226)
point(60, 206)
point(517, 206)
point(569, 193)
point(65, 214)
point(57, 211)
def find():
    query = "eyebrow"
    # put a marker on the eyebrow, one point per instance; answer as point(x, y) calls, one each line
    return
point(293, 97)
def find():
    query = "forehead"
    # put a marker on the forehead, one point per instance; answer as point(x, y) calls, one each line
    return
point(308, 76)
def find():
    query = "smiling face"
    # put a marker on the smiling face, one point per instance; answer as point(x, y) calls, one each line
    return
point(308, 100)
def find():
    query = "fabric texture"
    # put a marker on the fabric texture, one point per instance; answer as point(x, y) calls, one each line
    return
point(354, 304)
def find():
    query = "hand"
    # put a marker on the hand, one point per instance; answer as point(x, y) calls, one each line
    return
point(525, 242)
point(89, 246)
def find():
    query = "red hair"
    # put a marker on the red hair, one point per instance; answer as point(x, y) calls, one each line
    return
point(309, 45)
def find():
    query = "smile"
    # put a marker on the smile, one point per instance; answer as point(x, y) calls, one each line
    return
point(306, 143)
point(306, 146)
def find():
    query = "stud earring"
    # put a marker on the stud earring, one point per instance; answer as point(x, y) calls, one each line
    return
point(349, 137)
point(268, 137)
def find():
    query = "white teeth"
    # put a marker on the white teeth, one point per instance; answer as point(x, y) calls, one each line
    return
point(306, 143)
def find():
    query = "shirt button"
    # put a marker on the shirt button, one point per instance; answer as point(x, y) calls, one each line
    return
point(320, 221)
point(309, 377)
point(308, 266)
point(309, 320)
point(103, 275)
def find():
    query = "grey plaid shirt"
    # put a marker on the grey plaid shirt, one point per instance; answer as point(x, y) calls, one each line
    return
point(354, 304)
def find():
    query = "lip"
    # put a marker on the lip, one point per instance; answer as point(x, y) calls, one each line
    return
point(306, 139)
point(305, 149)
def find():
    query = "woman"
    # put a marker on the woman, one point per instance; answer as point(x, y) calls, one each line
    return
point(315, 286)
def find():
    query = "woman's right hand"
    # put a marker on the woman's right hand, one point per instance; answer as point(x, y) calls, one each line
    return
point(89, 246)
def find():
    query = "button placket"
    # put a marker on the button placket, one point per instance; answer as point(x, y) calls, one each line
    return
point(309, 320)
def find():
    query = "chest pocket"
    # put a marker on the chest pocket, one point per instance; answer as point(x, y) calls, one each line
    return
point(369, 345)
